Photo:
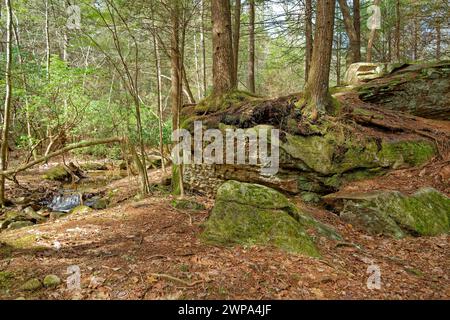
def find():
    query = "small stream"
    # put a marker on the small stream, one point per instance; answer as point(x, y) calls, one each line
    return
point(74, 195)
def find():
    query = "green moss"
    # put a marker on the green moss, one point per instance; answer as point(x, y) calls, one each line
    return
point(367, 113)
point(215, 103)
point(337, 151)
point(51, 281)
point(336, 106)
point(250, 214)
point(5, 279)
point(252, 195)
point(232, 223)
point(24, 242)
point(58, 173)
point(176, 180)
point(31, 285)
point(310, 197)
point(336, 90)
point(410, 153)
point(185, 204)
point(80, 210)
point(426, 213)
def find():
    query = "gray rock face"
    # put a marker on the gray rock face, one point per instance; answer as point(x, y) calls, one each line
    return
point(421, 90)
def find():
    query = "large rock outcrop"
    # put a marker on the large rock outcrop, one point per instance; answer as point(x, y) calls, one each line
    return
point(420, 89)
point(250, 214)
point(357, 142)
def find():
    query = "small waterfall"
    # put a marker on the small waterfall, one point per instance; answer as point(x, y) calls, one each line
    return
point(65, 203)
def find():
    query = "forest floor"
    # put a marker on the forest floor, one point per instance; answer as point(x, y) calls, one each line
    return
point(147, 249)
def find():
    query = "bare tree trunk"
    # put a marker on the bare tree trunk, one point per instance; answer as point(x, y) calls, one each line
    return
point(317, 95)
point(7, 111)
point(389, 41)
point(177, 83)
point(251, 47)
point(203, 44)
point(236, 38)
point(222, 47)
point(397, 30)
point(175, 66)
point(65, 56)
point(197, 69)
point(353, 29)
point(338, 59)
point(159, 88)
point(438, 41)
point(86, 65)
point(186, 84)
point(16, 31)
point(309, 37)
point(416, 33)
point(47, 41)
point(357, 24)
point(373, 34)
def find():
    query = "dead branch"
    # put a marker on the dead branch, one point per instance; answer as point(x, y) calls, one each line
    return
point(70, 147)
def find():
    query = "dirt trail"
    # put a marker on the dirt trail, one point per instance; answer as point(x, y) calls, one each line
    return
point(150, 250)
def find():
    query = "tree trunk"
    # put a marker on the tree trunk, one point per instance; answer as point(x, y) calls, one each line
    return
point(353, 29)
point(309, 37)
point(188, 87)
point(438, 41)
point(236, 38)
point(222, 47)
point(159, 95)
point(47, 41)
point(338, 59)
point(203, 44)
point(373, 34)
point(7, 111)
point(175, 66)
point(317, 95)
point(357, 24)
point(251, 47)
point(397, 30)
point(197, 69)
point(16, 31)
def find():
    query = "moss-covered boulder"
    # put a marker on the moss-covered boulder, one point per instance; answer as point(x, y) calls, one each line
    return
point(425, 213)
point(251, 214)
point(20, 224)
point(80, 210)
point(340, 153)
point(57, 173)
point(51, 281)
point(31, 285)
point(6, 278)
point(186, 204)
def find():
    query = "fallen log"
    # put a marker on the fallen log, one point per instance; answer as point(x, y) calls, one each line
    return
point(79, 145)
